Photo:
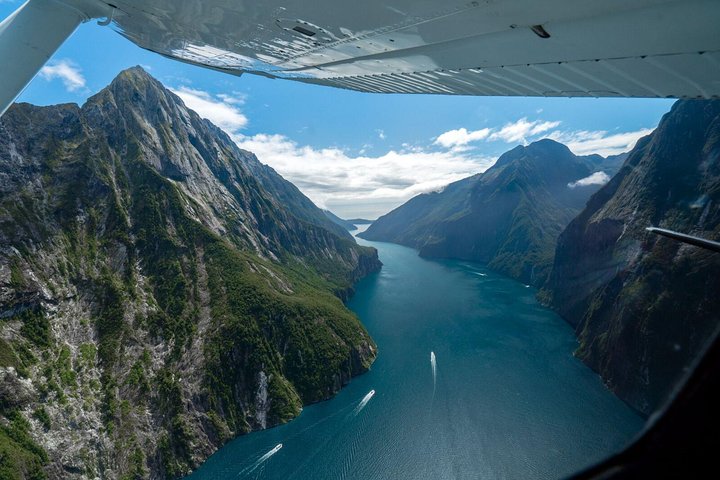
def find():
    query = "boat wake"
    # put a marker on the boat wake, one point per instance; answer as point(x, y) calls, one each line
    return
point(261, 460)
point(332, 436)
point(433, 365)
point(364, 401)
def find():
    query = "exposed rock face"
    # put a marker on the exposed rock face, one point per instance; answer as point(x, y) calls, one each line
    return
point(508, 217)
point(161, 291)
point(644, 305)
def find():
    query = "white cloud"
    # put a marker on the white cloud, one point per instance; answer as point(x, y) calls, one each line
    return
point(222, 110)
point(524, 131)
point(367, 185)
point(461, 137)
point(585, 142)
point(521, 130)
point(237, 98)
point(65, 70)
point(332, 177)
point(597, 178)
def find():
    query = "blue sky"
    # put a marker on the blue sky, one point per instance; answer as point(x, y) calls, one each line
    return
point(354, 153)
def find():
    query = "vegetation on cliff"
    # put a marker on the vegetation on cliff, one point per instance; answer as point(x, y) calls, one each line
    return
point(161, 290)
point(508, 217)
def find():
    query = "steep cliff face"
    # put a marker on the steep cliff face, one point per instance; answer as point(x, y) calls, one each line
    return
point(161, 291)
point(643, 305)
point(508, 217)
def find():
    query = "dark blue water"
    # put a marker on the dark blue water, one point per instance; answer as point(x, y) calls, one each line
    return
point(509, 400)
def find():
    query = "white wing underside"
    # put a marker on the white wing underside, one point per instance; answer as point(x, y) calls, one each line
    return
point(568, 48)
point(608, 48)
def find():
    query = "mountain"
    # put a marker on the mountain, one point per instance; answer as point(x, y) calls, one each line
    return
point(288, 194)
point(359, 221)
point(508, 217)
point(161, 291)
point(643, 305)
point(345, 224)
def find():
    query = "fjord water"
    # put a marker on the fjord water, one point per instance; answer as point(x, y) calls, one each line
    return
point(508, 399)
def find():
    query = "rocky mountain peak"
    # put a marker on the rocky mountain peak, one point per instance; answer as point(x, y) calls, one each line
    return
point(544, 150)
point(138, 105)
point(547, 147)
point(134, 86)
point(136, 75)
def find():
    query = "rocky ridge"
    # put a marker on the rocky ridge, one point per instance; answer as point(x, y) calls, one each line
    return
point(642, 305)
point(508, 217)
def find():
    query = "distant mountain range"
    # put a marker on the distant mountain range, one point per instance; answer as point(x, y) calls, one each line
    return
point(508, 217)
point(161, 290)
point(346, 225)
point(349, 225)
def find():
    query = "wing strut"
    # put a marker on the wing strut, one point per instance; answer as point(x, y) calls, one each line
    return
point(28, 38)
point(689, 239)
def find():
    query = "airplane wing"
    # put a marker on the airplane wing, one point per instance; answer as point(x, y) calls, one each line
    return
point(624, 48)
point(609, 48)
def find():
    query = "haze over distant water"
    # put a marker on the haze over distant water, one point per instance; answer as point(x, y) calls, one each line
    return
point(510, 400)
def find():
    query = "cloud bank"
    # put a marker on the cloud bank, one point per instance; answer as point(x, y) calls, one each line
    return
point(360, 184)
point(366, 185)
point(222, 110)
point(585, 142)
